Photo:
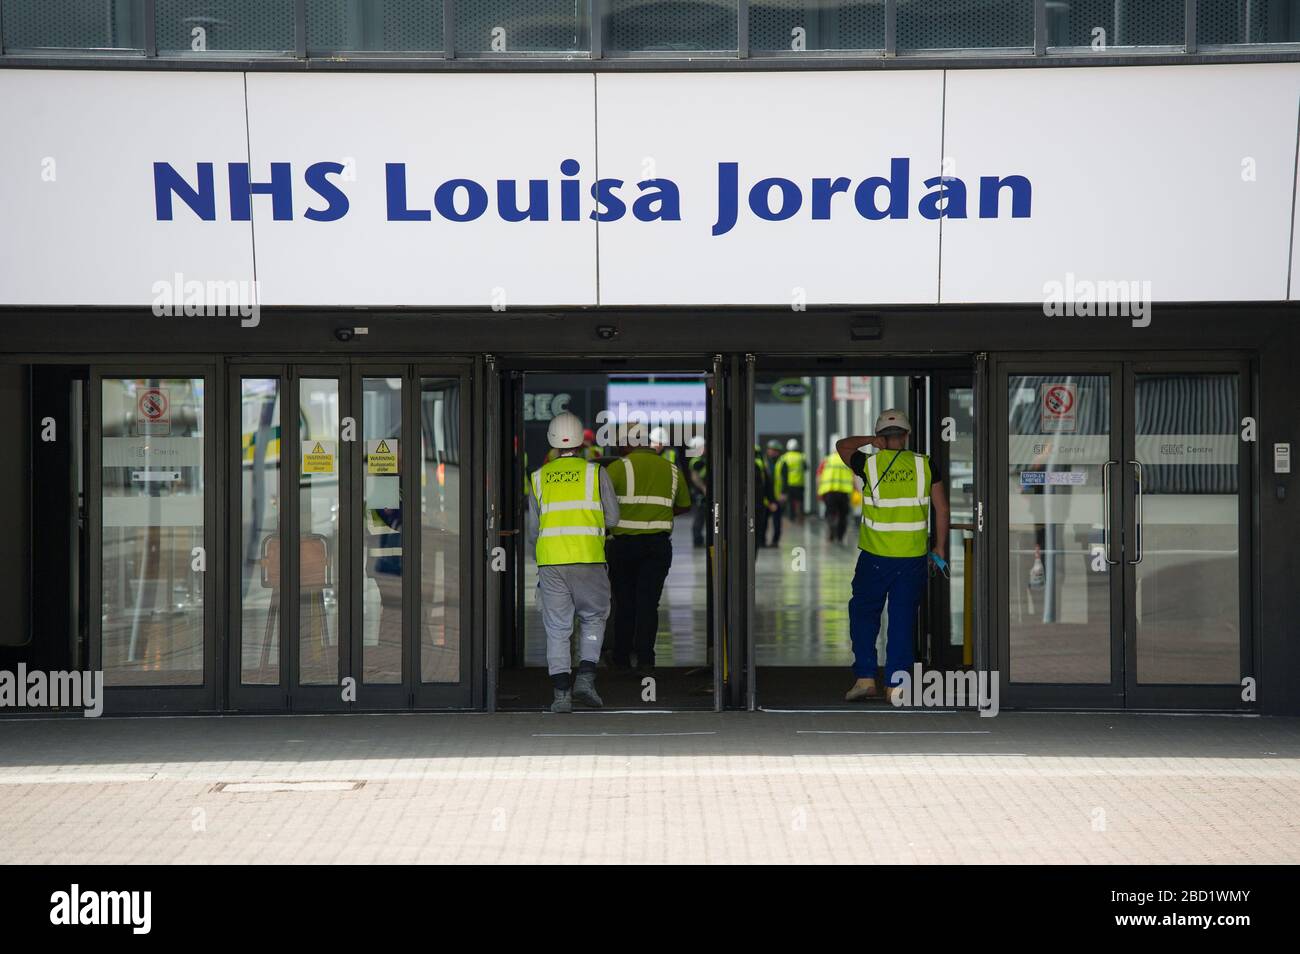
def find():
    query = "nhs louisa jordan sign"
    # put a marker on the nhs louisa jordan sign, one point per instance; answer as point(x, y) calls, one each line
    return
point(474, 190)
point(770, 199)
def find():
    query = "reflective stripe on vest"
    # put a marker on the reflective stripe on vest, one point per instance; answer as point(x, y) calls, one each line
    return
point(835, 478)
point(645, 511)
point(571, 521)
point(896, 514)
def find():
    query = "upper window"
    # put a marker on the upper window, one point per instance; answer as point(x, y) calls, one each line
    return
point(1101, 25)
point(796, 26)
point(965, 24)
point(73, 24)
point(670, 26)
point(360, 26)
point(489, 27)
point(1231, 22)
point(226, 26)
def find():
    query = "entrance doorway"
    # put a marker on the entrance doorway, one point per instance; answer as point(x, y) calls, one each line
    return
point(1125, 552)
point(805, 526)
point(677, 405)
point(348, 494)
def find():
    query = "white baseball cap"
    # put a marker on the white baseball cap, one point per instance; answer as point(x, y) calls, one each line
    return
point(892, 419)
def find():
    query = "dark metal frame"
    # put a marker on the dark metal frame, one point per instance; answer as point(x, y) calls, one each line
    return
point(142, 698)
point(597, 57)
point(411, 692)
point(511, 372)
point(1123, 690)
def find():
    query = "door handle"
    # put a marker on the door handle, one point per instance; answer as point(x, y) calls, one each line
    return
point(1105, 517)
point(1137, 522)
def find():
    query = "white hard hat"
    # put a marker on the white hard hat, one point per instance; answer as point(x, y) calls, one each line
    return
point(565, 430)
point(892, 419)
point(792, 444)
point(696, 443)
point(659, 435)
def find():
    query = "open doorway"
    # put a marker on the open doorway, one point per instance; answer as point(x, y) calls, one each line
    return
point(807, 519)
point(672, 668)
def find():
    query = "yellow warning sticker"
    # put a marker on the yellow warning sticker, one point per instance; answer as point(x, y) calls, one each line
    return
point(381, 457)
point(318, 457)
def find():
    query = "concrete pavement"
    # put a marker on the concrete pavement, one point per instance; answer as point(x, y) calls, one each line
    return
point(734, 787)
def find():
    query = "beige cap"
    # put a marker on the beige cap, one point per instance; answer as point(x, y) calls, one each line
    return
point(892, 419)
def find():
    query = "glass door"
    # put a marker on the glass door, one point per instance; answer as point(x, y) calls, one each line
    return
point(151, 519)
point(1062, 589)
point(1187, 571)
point(333, 573)
point(1123, 578)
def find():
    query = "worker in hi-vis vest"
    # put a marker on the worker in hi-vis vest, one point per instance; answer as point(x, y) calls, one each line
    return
point(791, 468)
point(651, 491)
point(570, 506)
point(834, 490)
point(898, 487)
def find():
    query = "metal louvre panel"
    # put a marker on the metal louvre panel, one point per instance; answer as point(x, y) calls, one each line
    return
point(74, 24)
point(1149, 23)
point(374, 25)
point(229, 24)
point(965, 24)
point(828, 25)
point(671, 25)
point(1227, 22)
point(522, 26)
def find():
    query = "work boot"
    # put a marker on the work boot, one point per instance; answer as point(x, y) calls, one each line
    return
point(862, 689)
point(563, 701)
point(584, 690)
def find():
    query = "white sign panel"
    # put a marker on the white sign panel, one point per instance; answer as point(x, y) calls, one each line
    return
point(490, 191)
point(77, 158)
point(1178, 176)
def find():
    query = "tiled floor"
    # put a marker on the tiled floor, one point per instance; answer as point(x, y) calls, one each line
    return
point(735, 787)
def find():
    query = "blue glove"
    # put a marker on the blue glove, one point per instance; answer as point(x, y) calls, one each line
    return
point(940, 564)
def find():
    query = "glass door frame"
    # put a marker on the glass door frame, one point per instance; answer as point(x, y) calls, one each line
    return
point(937, 368)
point(163, 698)
point(1193, 696)
point(1123, 690)
point(287, 695)
point(410, 693)
point(503, 514)
point(1108, 695)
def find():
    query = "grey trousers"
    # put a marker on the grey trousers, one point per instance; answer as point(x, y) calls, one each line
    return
point(562, 590)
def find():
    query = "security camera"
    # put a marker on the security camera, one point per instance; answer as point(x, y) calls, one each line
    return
point(608, 332)
point(343, 334)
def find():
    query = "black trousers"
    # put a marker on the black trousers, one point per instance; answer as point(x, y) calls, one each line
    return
point(701, 521)
point(638, 566)
point(774, 521)
point(837, 515)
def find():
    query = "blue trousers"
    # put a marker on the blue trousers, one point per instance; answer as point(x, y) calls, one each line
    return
point(901, 580)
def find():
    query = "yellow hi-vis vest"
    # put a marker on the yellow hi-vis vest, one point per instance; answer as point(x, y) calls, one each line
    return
point(896, 504)
point(836, 477)
point(645, 504)
point(793, 470)
point(571, 520)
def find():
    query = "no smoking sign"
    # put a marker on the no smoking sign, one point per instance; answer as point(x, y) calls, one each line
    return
point(1058, 408)
point(153, 411)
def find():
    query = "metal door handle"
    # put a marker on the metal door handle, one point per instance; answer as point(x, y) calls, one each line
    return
point(1137, 522)
point(1105, 517)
